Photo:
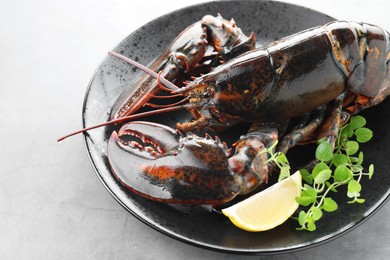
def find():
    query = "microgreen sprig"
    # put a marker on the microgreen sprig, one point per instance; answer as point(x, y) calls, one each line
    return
point(279, 159)
point(336, 167)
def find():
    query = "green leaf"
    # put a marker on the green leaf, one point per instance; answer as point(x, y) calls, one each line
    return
point(352, 147)
point(343, 132)
point(318, 168)
point(306, 176)
point(329, 205)
point(342, 173)
point(353, 159)
point(310, 224)
point(317, 213)
point(322, 176)
point(339, 159)
point(354, 186)
point(302, 218)
point(370, 171)
point(356, 199)
point(309, 192)
point(360, 159)
point(357, 122)
point(349, 131)
point(353, 194)
point(363, 135)
point(324, 152)
point(304, 200)
point(282, 158)
point(284, 173)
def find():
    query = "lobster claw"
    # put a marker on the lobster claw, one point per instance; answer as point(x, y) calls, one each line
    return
point(158, 163)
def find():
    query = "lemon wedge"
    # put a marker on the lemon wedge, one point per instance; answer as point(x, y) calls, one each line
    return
point(268, 208)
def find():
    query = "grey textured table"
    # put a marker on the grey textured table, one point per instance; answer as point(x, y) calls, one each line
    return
point(52, 205)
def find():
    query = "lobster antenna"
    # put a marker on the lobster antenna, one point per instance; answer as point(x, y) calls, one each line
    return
point(167, 105)
point(164, 81)
point(170, 96)
point(126, 118)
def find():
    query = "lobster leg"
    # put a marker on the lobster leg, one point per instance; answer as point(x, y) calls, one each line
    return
point(304, 120)
point(201, 121)
point(363, 102)
point(300, 134)
point(330, 128)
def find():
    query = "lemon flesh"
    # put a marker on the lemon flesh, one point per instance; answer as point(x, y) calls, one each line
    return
point(268, 208)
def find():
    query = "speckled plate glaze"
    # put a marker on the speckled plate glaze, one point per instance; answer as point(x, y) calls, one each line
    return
point(198, 225)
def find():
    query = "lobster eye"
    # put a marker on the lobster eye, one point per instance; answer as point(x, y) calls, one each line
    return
point(206, 95)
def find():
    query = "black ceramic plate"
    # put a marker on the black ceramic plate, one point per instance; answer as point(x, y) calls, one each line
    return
point(197, 225)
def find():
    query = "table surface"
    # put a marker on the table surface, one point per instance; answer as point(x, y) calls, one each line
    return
point(52, 205)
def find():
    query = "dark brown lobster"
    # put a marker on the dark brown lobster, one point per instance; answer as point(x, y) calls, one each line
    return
point(318, 78)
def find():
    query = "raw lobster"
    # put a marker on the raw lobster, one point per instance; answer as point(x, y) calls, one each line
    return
point(316, 78)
